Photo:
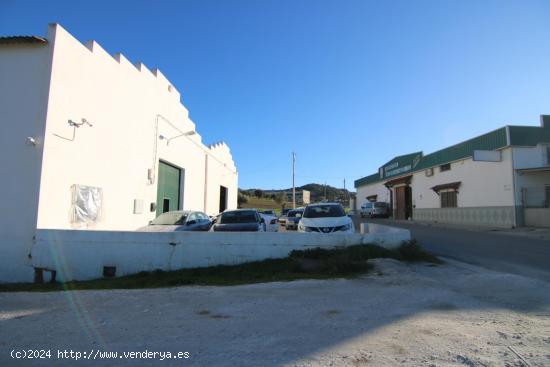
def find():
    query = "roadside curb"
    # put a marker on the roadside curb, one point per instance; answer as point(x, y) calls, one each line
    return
point(527, 232)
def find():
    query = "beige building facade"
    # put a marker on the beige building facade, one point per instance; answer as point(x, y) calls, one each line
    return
point(499, 179)
point(303, 197)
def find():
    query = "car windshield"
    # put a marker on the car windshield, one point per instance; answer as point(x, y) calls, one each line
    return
point(380, 205)
point(170, 219)
point(292, 214)
point(247, 216)
point(324, 211)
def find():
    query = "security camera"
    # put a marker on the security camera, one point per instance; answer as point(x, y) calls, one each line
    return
point(78, 124)
point(84, 121)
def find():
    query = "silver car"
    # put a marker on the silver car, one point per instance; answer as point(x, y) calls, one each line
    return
point(375, 209)
point(184, 220)
point(293, 218)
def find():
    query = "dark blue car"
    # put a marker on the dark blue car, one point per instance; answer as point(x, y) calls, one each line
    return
point(241, 220)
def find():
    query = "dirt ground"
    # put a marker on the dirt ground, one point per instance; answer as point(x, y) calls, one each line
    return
point(398, 315)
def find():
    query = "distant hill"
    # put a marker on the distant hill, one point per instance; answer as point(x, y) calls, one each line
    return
point(318, 192)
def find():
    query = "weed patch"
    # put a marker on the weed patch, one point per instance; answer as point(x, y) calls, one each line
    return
point(317, 263)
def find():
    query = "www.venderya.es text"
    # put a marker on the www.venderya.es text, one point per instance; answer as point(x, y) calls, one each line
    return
point(94, 354)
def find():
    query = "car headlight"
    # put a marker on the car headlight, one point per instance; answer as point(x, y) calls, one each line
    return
point(346, 227)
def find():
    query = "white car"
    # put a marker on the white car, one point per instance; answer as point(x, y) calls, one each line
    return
point(271, 220)
point(326, 218)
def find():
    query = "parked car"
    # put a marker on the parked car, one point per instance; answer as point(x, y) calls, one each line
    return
point(375, 209)
point(269, 212)
point(293, 218)
point(271, 221)
point(181, 220)
point(240, 220)
point(325, 218)
point(283, 216)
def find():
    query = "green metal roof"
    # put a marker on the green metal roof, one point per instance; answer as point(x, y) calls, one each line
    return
point(519, 136)
point(403, 159)
point(490, 141)
point(368, 180)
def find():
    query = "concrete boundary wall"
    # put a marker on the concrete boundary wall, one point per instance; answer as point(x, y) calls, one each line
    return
point(82, 255)
point(537, 217)
point(497, 216)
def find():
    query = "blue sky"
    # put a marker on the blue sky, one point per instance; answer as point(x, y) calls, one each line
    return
point(348, 85)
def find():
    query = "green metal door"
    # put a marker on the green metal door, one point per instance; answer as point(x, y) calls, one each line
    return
point(168, 191)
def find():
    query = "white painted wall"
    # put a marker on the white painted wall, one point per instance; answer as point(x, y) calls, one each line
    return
point(537, 217)
point(373, 189)
point(533, 179)
point(41, 88)
point(123, 102)
point(81, 255)
point(24, 79)
point(530, 157)
point(219, 175)
point(535, 182)
point(483, 184)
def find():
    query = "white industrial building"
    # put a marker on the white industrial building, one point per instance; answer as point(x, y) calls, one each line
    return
point(91, 141)
point(499, 179)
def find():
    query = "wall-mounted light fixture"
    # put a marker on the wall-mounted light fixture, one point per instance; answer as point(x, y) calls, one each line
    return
point(151, 171)
point(30, 141)
point(168, 140)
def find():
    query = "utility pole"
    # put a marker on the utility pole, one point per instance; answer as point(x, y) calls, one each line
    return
point(293, 182)
point(344, 197)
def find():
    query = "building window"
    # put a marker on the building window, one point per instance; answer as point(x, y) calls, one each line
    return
point(548, 155)
point(445, 167)
point(448, 199)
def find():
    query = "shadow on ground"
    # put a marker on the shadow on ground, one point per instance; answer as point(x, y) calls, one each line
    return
point(411, 315)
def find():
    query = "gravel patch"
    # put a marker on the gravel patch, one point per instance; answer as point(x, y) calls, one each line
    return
point(400, 314)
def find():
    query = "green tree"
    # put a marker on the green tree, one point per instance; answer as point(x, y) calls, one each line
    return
point(280, 198)
point(241, 199)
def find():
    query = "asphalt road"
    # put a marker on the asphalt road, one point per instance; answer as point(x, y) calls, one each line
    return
point(492, 250)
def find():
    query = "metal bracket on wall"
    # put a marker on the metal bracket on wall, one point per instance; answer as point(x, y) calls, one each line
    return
point(75, 125)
